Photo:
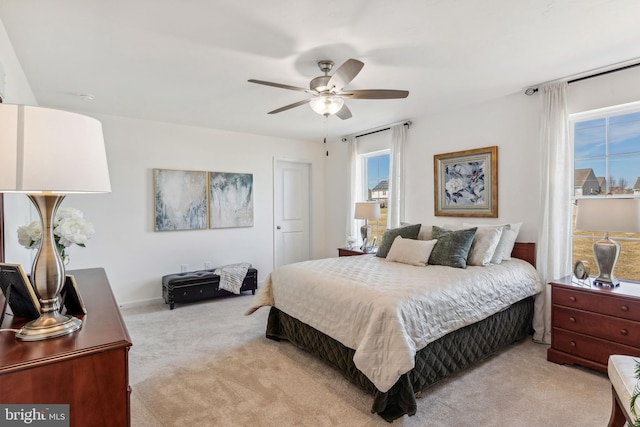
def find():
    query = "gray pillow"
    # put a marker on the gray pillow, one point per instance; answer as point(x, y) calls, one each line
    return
point(452, 247)
point(407, 232)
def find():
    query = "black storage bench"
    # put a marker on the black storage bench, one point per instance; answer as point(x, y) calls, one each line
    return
point(199, 285)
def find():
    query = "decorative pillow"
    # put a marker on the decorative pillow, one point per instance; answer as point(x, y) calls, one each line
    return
point(407, 232)
point(505, 245)
point(425, 232)
point(484, 243)
point(452, 247)
point(409, 251)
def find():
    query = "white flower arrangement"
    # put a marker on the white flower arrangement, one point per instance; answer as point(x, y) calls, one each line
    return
point(69, 227)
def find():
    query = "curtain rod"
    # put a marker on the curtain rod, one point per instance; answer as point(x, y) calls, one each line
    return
point(620, 66)
point(407, 123)
point(603, 73)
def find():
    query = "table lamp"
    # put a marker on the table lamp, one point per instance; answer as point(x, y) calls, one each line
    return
point(367, 211)
point(608, 214)
point(47, 154)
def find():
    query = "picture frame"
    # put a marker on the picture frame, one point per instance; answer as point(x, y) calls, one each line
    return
point(22, 300)
point(181, 200)
point(466, 183)
point(70, 296)
point(231, 200)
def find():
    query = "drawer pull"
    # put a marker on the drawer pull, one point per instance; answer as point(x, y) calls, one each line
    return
point(573, 343)
point(572, 319)
point(624, 308)
point(624, 332)
point(572, 299)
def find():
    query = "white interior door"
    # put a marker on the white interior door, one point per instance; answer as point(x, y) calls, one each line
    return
point(291, 194)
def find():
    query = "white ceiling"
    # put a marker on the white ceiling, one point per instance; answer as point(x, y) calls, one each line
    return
point(188, 61)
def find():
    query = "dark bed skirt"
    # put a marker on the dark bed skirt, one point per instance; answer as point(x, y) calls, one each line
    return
point(444, 357)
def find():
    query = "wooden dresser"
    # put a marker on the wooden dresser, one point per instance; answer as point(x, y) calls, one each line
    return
point(88, 369)
point(589, 323)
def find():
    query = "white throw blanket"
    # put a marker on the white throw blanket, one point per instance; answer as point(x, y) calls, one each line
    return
point(387, 311)
point(232, 276)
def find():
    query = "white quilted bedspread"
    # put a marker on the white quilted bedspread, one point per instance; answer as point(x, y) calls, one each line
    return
point(387, 311)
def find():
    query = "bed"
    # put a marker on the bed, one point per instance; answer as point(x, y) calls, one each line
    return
point(395, 329)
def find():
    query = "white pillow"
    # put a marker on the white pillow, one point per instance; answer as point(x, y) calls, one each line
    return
point(484, 245)
point(410, 251)
point(506, 243)
point(425, 233)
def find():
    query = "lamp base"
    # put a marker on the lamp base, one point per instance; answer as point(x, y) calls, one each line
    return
point(606, 253)
point(48, 325)
point(365, 232)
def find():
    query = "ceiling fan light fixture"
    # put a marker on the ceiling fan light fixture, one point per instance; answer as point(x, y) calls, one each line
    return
point(326, 105)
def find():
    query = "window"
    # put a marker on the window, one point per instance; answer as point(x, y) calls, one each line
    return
point(607, 162)
point(376, 171)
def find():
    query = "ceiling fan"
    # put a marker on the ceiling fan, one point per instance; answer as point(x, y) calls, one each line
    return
point(328, 93)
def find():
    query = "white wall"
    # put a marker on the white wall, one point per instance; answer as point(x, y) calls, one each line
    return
point(511, 123)
point(616, 88)
point(125, 244)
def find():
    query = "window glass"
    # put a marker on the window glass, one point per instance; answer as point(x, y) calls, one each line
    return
point(377, 182)
point(607, 162)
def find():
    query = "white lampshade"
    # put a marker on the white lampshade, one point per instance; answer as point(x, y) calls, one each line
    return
point(367, 210)
point(608, 214)
point(51, 151)
point(326, 104)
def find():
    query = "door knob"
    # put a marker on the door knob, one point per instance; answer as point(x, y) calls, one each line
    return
point(278, 227)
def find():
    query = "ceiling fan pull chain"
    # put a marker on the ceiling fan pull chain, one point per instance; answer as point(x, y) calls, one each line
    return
point(326, 132)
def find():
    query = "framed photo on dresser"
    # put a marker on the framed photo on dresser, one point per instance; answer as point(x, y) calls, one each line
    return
point(15, 285)
point(71, 298)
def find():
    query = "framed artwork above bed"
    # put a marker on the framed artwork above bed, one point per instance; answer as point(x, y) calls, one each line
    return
point(466, 183)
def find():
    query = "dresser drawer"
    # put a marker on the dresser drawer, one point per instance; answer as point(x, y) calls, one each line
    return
point(622, 331)
point(597, 303)
point(594, 349)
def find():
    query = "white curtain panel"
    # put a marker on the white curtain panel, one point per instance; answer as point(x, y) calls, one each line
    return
point(395, 207)
point(356, 188)
point(554, 240)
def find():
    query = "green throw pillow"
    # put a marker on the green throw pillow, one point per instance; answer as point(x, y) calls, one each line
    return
point(452, 247)
point(406, 232)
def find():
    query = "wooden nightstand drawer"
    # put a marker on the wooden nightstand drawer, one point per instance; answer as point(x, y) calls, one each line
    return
point(594, 349)
point(618, 330)
point(597, 302)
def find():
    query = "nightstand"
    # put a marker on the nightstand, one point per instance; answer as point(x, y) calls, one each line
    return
point(349, 252)
point(590, 323)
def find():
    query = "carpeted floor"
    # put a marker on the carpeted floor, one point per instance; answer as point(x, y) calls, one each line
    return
point(207, 364)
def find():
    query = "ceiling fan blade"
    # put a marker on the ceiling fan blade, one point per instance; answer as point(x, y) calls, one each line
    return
point(376, 94)
point(290, 106)
point(345, 73)
point(344, 113)
point(281, 86)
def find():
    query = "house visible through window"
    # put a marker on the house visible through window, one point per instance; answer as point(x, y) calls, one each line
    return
point(377, 182)
point(607, 163)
